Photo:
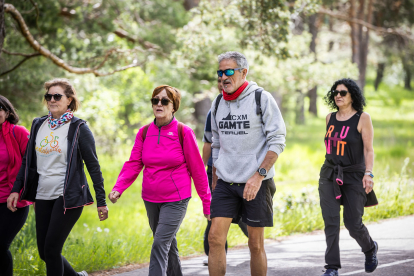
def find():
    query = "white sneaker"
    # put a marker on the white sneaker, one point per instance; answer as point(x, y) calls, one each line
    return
point(83, 273)
point(205, 261)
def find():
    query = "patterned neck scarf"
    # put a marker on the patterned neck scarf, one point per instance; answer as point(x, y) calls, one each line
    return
point(56, 123)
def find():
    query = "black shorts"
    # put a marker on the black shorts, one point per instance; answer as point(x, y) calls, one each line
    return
point(228, 202)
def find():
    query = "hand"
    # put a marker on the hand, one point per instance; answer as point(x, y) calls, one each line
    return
point(207, 217)
point(214, 180)
point(252, 186)
point(103, 213)
point(12, 201)
point(368, 183)
point(213, 185)
point(114, 196)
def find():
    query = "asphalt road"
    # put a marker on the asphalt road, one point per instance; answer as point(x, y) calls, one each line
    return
point(304, 254)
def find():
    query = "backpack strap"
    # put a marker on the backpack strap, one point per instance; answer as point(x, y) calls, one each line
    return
point(144, 132)
point(218, 99)
point(180, 128)
point(257, 97)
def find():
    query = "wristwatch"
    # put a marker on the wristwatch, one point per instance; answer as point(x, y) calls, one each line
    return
point(262, 172)
point(370, 174)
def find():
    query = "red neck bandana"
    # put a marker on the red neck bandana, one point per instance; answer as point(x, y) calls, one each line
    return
point(233, 96)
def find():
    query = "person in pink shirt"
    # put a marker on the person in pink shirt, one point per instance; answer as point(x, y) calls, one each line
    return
point(13, 141)
point(168, 152)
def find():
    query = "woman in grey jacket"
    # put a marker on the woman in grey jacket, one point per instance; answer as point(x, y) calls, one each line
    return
point(53, 177)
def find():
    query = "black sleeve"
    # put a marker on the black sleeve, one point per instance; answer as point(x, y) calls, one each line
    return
point(19, 182)
point(88, 151)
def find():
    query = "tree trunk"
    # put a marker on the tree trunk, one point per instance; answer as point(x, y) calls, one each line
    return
point(300, 109)
point(189, 4)
point(360, 36)
point(313, 97)
point(2, 27)
point(407, 75)
point(313, 29)
point(380, 75)
point(354, 33)
point(330, 25)
point(201, 109)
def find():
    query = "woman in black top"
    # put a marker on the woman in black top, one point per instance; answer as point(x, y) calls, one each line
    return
point(346, 177)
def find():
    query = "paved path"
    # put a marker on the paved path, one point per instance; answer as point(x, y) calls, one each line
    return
point(304, 254)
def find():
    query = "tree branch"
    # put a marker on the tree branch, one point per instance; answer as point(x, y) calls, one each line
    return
point(27, 57)
point(147, 45)
point(19, 54)
point(56, 60)
point(366, 24)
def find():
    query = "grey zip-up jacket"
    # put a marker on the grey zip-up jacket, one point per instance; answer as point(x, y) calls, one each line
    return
point(241, 140)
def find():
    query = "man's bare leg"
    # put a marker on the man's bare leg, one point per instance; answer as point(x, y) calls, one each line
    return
point(217, 240)
point(258, 261)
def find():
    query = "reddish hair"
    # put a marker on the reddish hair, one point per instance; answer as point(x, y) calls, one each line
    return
point(173, 94)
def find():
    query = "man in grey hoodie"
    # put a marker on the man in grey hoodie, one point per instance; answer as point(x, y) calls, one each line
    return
point(245, 147)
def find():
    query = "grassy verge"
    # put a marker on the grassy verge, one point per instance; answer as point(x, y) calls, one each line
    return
point(126, 238)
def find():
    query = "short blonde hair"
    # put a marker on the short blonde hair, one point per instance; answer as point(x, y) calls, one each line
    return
point(68, 89)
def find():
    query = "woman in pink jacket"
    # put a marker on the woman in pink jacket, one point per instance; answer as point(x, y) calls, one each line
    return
point(13, 141)
point(168, 152)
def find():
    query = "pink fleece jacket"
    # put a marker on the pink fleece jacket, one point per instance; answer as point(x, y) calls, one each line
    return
point(168, 170)
point(16, 138)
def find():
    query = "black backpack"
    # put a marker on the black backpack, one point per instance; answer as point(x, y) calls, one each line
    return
point(257, 97)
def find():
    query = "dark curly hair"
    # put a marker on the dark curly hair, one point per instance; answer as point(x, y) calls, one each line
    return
point(13, 118)
point(358, 99)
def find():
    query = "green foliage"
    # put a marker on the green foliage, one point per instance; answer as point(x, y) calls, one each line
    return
point(81, 33)
point(115, 107)
point(260, 25)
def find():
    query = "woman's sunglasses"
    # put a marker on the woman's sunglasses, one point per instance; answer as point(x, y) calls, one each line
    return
point(57, 97)
point(227, 72)
point(341, 92)
point(164, 101)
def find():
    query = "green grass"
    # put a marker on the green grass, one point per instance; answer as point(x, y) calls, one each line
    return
point(126, 237)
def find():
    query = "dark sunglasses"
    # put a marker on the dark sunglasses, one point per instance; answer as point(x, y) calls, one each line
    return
point(342, 92)
point(164, 101)
point(57, 97)
point(227, 72)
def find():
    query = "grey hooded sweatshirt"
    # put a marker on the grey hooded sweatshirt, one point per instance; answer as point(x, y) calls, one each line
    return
point(241, 140)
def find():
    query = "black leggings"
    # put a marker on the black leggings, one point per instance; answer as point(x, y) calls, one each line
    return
point(353, 200)
point(52, 229)
point(10, 225)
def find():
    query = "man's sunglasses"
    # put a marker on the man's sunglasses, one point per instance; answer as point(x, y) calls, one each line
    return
point(341, 92)
point(164, 101)
point(57, 97)
point(227, 72)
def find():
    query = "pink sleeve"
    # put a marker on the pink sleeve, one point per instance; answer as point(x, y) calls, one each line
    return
point(22, 137)
point(197, 170)
point(132, 167)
